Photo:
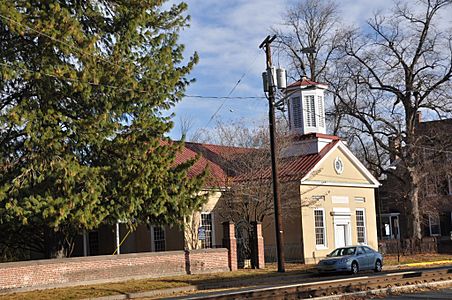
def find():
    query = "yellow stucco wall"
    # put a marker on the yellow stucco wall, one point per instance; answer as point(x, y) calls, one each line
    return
point(192, 223)
point(311, 252)
point(337, 198)
point(299, 226)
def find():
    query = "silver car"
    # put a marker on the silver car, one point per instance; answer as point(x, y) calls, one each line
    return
point(351, 259)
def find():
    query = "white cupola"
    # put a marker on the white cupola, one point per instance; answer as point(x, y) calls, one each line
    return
point(306, 107)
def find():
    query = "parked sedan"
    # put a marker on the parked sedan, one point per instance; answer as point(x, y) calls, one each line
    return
point(351, 259)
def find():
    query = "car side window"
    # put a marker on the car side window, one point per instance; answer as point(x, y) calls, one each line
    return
point(368, 250)
point(360, 251)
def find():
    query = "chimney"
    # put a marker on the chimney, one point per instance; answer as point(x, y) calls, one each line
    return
point(418, 118)
point(394, 146)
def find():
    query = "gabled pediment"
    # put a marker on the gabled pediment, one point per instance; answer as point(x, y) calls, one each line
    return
point(339, 167)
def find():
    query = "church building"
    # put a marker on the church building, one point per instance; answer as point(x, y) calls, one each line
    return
point(336, 204)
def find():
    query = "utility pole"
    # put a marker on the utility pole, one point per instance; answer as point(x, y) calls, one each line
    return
point(272, 124)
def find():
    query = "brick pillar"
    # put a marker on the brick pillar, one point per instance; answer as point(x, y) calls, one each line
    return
point(258, 246)
point(230, 242)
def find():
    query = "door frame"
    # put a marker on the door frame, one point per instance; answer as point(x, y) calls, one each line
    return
point(342, 217)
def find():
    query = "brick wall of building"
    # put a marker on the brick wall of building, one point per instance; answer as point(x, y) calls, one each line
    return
point(105, 268)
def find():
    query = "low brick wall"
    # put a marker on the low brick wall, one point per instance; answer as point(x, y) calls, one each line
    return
point(107, 268)
point(208, 261)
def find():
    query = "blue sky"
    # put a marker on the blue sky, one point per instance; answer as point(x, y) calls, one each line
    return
point(226, 34)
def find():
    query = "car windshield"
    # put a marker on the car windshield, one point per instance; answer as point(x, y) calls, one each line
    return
point(343, 251)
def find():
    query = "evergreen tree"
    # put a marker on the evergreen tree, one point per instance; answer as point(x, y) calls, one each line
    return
point(83, 90)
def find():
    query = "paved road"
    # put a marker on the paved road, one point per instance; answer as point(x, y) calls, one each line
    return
point(440, 294)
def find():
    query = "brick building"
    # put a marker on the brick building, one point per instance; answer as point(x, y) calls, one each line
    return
point(434, 145)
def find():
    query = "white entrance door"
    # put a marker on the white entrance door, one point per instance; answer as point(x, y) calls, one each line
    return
point(340, 235)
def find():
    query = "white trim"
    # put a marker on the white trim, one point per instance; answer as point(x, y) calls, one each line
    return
point(374, 182)
point(334, 183)
point(430, 225)
point(211, 226)
point(360, 199)
point(338, 165)
point(340, 213)
point(118, 245)
point(365, 226)
point(213, 229)
point(390, 214)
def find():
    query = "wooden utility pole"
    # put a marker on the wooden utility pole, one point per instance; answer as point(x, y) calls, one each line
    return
point(272, 124)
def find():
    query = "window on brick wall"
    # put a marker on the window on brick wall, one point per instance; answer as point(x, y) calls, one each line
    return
point(158, 238)
point(434, 225)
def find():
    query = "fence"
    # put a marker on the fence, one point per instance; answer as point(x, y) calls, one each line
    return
point(409, 246)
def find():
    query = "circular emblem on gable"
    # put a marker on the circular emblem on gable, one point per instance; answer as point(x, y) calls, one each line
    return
point(338, 165)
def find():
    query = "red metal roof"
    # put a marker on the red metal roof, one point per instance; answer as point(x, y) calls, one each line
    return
point(304, 82)
point(292, 168)
point(217, 159)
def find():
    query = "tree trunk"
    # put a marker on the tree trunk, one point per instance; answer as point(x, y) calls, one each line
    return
point(414, 200)
point(55, 244)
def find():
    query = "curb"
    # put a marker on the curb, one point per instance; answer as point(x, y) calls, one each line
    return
point(428, 263)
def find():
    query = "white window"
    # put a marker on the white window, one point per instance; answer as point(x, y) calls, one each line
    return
point(158, 238)
point(361, 225)
point(206, 224)
point(319, 225)
point(321, 111)
point(310, 111)
point(297, 112)
point(433, 223)
point(360, 199)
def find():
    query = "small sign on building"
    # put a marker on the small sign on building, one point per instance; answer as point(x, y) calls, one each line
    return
point(201, 233)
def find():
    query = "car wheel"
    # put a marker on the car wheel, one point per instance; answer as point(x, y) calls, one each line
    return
point(378, 266)
point(355, 268)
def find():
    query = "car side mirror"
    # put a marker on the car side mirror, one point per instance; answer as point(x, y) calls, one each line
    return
point(328, 255)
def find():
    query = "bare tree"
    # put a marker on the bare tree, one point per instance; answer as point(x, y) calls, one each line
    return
point(403, 65)
point(311, 25)
point(249, 196)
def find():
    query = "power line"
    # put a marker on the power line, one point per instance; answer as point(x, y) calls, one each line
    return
point(225, 97)
point(123, 88)
point(123, 68)
point(138, 90)
point(233, 89)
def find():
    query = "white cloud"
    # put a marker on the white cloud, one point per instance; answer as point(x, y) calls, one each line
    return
point(226, 34)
